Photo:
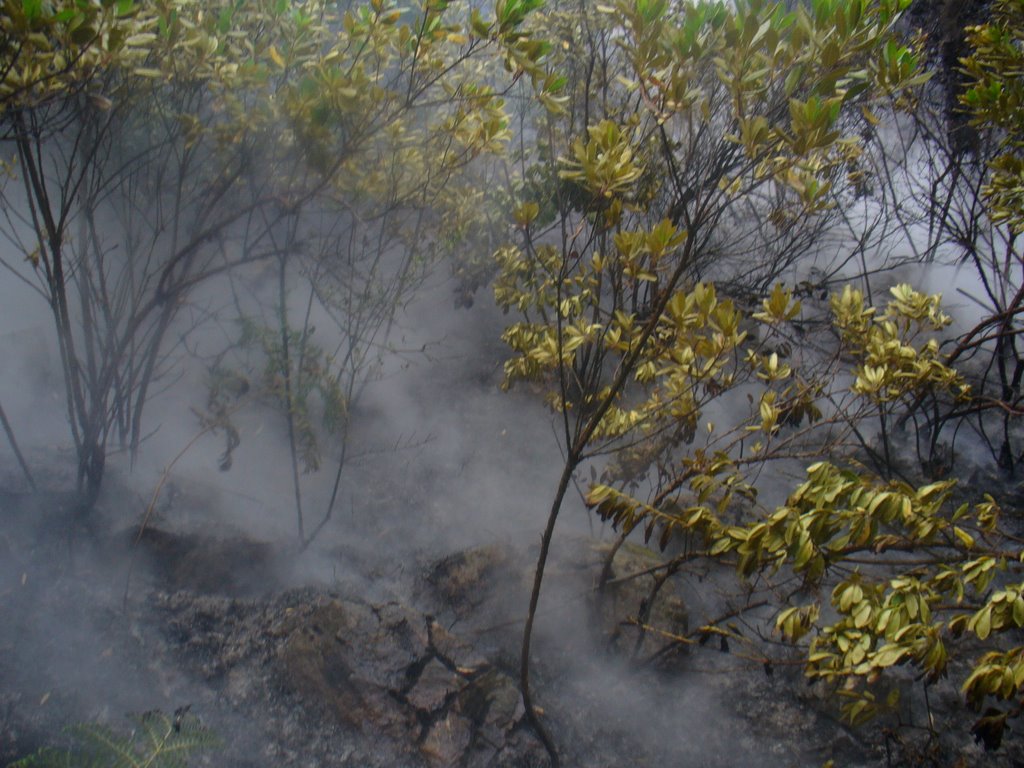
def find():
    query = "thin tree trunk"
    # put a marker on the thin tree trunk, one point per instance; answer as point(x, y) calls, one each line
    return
point(17, 450)
point(289, 400)
point(538, 580)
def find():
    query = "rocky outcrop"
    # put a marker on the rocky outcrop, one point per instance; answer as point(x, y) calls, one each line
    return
point(330, 677)
point(392, 679)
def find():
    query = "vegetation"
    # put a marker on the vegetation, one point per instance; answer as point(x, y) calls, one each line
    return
point(708, 128)
point(672, 170)
point(191, 139)
point(404, 127)
point(156, 741)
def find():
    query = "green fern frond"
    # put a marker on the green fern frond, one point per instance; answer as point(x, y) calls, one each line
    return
point(116, 751)
point(157, 741)
point(48, 757)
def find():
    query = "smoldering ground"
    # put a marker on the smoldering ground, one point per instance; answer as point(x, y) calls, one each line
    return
point(448, 475)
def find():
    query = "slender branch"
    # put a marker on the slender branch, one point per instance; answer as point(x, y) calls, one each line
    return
point(17, 451)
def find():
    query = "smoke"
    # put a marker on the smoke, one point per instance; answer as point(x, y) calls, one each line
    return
point(439, 462)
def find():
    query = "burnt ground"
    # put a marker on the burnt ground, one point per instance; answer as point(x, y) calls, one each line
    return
point(394, 641)
point(412, 671)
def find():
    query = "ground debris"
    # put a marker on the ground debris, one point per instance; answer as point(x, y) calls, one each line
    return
point(383, 675)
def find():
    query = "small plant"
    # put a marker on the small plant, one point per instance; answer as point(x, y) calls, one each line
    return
point(157, 740)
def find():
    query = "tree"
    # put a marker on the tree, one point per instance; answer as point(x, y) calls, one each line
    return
point(217, 135)
point(129, 185)
point(681, 121)
point(927, 201)
point(409, 102)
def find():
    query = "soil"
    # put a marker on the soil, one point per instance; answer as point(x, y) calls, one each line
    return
point(418, 672)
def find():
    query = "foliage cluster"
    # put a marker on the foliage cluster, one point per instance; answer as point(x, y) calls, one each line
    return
point(994, 98)
point(691, 132)
point(159, 145)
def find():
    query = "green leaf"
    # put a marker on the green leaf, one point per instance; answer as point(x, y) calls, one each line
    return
point(32, 9)
point(983, 623)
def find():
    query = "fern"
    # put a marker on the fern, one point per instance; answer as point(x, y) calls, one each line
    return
point(156, 741)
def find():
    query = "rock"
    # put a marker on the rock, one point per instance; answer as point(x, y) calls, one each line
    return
point(384, 673)
point(464, 579)
point(433, 687)
point(455, 652)
point(447, 740)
